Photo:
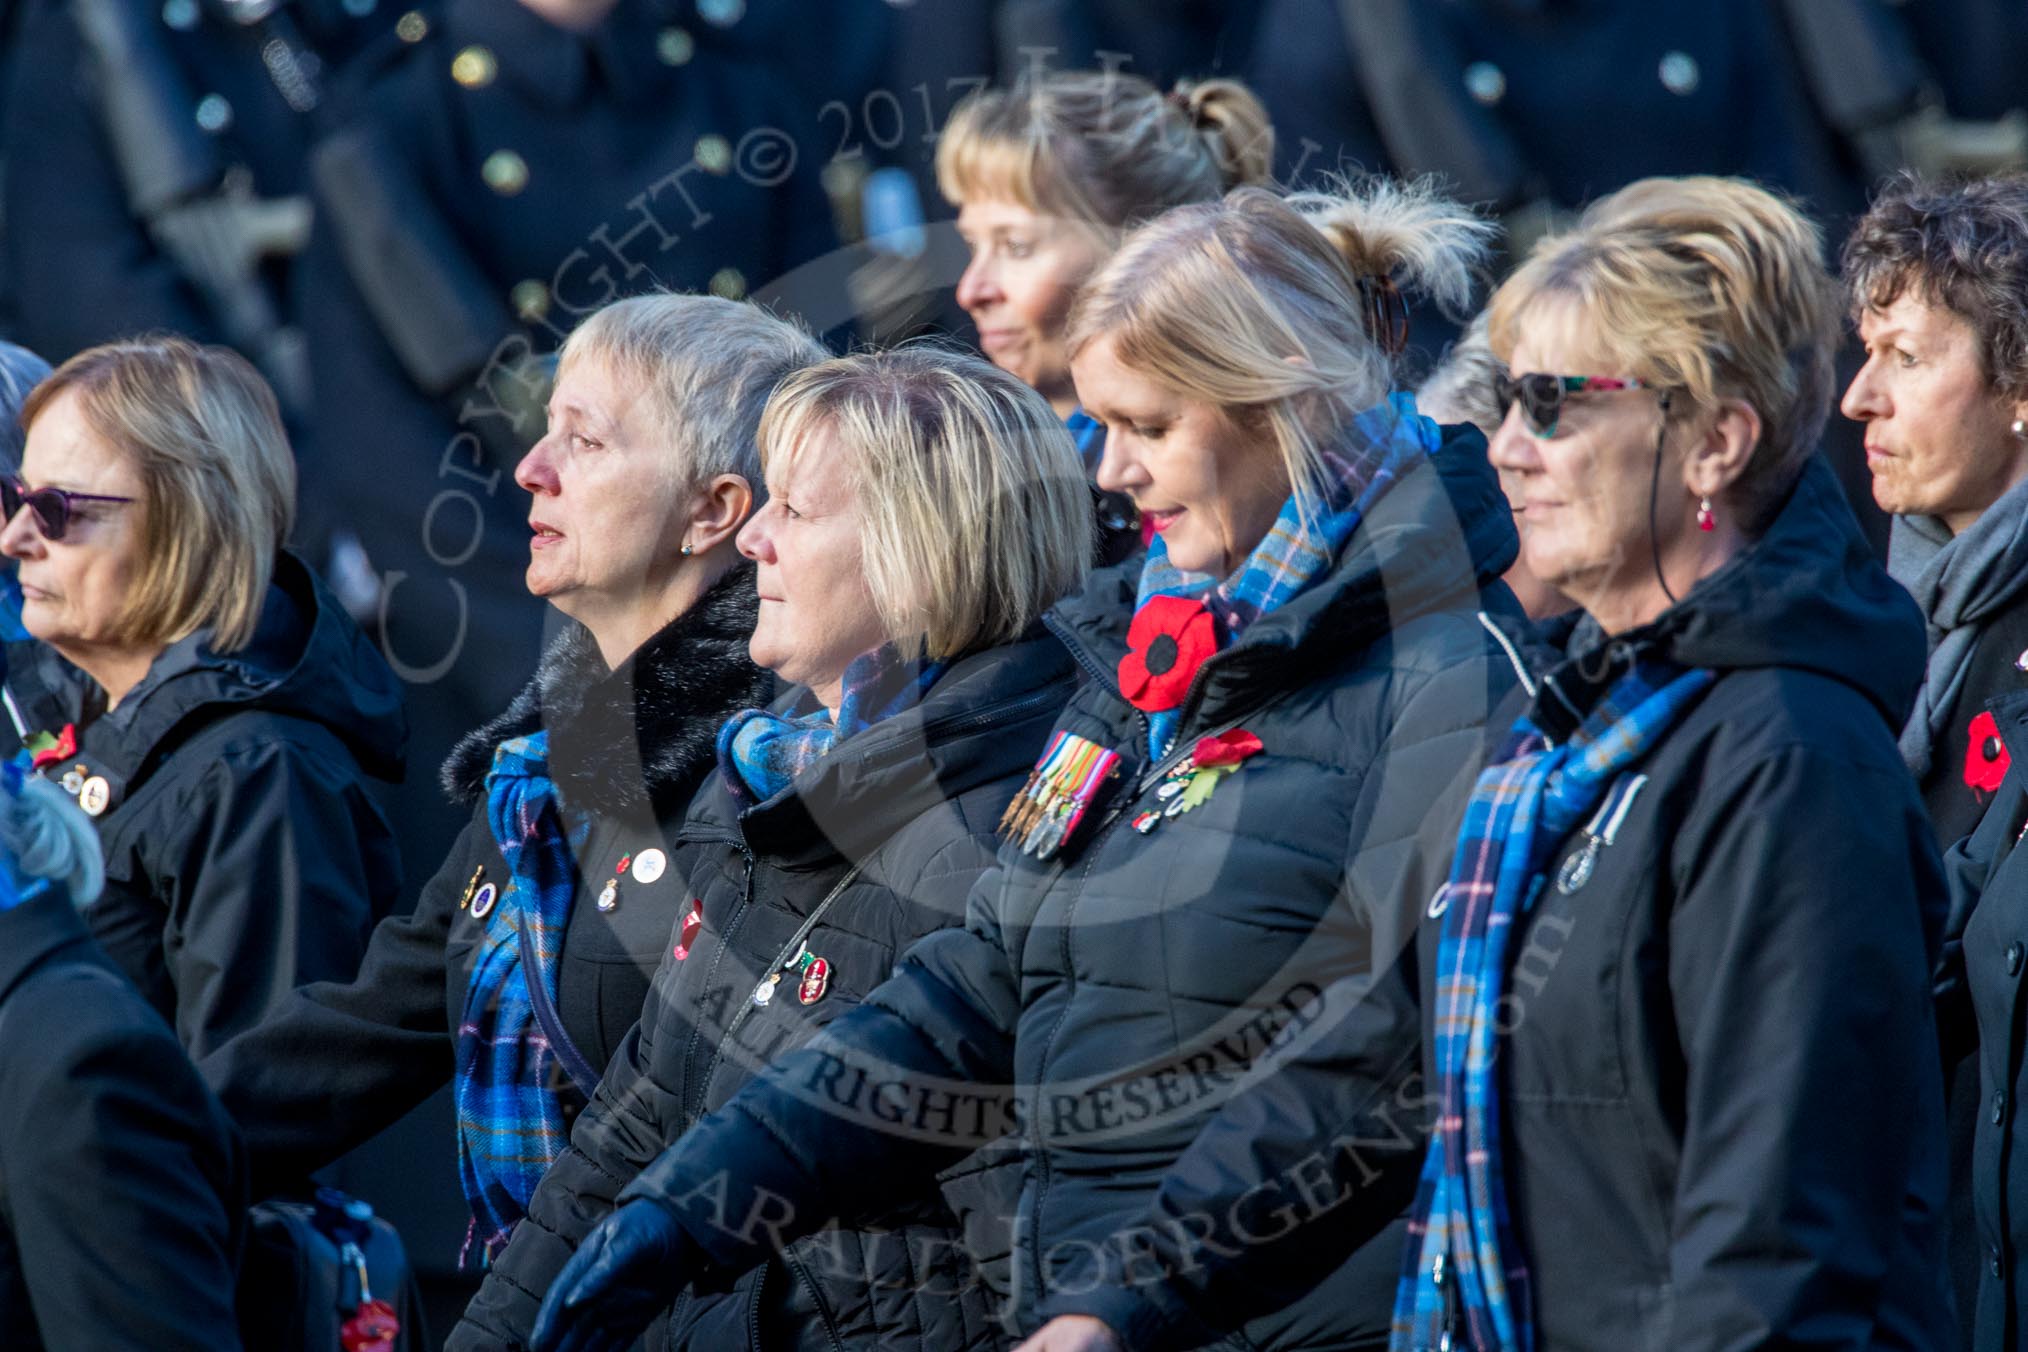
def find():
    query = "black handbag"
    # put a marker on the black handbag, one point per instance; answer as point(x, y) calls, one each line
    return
point(327, 1276)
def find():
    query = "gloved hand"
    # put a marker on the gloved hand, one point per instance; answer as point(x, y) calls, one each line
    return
point(626, 1270)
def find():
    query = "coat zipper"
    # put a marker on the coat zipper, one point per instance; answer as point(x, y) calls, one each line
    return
point(1147, 780)
point(782, 959)
point(725, 935)
point(802, 1275)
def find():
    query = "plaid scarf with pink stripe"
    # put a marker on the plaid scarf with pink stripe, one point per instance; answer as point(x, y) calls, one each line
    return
point(1463, 1270)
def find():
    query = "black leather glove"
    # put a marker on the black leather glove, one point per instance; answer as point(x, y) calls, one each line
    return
point(626, 1271)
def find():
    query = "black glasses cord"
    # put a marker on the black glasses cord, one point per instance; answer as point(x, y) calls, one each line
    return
point(1654, 490)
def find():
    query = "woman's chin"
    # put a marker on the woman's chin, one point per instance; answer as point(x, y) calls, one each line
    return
point(1191, 556)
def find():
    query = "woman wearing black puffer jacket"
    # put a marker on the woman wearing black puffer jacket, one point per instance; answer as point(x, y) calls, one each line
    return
point(1279, 703)
point(1678, 1039)
point(844, 824)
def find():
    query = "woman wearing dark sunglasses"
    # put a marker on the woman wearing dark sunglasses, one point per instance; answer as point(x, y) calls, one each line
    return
point(1677, 1026)
point(213, 709)
point(1678, 1051)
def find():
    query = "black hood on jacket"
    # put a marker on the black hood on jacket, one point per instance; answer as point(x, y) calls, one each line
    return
point(641, 735)
point(1808, 594)
point(1438, 535)
point(307, 660)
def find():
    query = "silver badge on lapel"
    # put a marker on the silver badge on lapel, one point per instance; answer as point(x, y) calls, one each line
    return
point(1600, 832)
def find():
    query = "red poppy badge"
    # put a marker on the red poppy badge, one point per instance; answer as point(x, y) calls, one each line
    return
point(1168, 640)
point(1986, 756)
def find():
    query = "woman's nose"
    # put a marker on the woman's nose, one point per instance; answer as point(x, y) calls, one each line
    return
point(1513, 447)
point(537, 471)
point(977, 285)
point(753, 541)
point(19, 538)
point(1864, 399)
point(1119, 468)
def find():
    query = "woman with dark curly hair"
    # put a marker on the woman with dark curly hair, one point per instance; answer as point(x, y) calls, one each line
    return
point(1937, 275)
point(1938, 279)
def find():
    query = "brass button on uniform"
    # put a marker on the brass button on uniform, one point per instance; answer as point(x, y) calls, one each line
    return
point(728, 283)
point(505, 172)
point(674, 47)
point(530, 300)
point(474, 67)
point(412, 26)
point(1679, 73)
point(214, 114)
point(1485, 82)
point(714, 153)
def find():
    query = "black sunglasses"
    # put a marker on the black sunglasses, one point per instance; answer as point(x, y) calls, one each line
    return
point(1542, 396)
point(52, 506)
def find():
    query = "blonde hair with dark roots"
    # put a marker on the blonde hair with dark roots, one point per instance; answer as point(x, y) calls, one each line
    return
point(975, 516)
point(1712, 288)
point(1261, 304)
point(1104, 148)
point(218, 483)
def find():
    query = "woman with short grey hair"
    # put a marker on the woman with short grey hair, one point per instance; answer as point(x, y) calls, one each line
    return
point(529, 952)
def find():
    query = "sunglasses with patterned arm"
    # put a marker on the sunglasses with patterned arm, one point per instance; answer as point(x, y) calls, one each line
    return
point(52, 506)
point(1541, 396)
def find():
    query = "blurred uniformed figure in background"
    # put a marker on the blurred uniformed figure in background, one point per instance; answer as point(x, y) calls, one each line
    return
point(155, 169)
point(1531, 108)
point(1534, 107)
point(501, 168)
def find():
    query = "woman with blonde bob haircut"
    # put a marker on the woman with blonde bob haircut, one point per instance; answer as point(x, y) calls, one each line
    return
point(1677, 1036)
point(219, 716)
point(968, 541)
point(1048, 176)
point(1224, 823)
point(923, 510)
point(204, 438)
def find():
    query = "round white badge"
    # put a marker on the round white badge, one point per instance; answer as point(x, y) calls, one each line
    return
point(94, 794)
point(482, 901)
point(650, 865)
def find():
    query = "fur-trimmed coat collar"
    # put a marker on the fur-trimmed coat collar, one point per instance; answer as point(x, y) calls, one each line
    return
point(639, 736)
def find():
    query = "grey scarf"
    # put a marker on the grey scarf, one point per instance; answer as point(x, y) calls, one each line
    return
point(1960, 582)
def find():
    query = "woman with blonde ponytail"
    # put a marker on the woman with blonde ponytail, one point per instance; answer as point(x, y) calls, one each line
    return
point(1049, 174)
point(1229, 831)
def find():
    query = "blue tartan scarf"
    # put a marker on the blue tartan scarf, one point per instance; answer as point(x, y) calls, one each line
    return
point(1461, 1250)
point(1380, 443)
point(760, 753)
point(510, 1124)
